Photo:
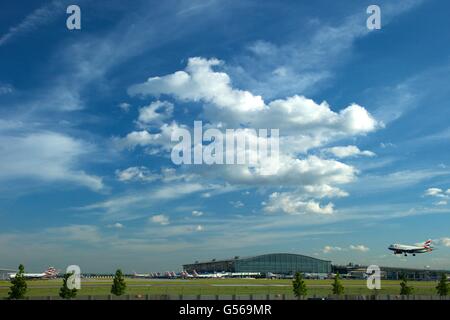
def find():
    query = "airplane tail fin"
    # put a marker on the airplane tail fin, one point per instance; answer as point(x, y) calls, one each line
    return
point(51, 272)
point(427, 245)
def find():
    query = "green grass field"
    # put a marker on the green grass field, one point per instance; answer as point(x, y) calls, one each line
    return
point(212, 287)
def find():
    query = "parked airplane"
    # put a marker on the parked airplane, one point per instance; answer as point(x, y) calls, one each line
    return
point(141, 275)
point(208, 275)
point(50, 273)
point(169, 275)
point(184, 274)
point(271, 275)
point(405, 249)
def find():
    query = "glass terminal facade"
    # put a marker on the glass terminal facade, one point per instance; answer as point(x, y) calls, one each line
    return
point(280, 263)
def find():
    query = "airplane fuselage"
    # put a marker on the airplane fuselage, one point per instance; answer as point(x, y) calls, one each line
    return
point(50, 273)
point(408, 249)
point(29, 275)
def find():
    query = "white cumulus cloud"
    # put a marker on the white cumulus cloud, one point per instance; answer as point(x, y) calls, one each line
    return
point(359, 247)
point(199, 83)
point(124, 106)
point(303, 125)
point(155, 113)
point(291, 203)
point(437, 192)
point(348, 151)
point(116, 225)
point(445, 241)
point(223, 103)
point(160, 219)
point(197, 213)
point(328, 249)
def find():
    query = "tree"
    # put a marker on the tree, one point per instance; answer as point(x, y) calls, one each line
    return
point(65, 292)
point(443, 286)
point(299, 285)
point(19, 285)
point(119, 285)
point(405, 290)
point(338, 288)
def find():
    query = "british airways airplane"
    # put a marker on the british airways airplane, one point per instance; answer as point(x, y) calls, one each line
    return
point(50, 273)
point(405, 249)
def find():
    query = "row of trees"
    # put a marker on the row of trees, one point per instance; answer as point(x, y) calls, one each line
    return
point(300, 289)
point(19, 286)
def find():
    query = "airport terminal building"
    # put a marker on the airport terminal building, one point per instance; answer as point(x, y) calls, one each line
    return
point(4, 273)
point(278, 263)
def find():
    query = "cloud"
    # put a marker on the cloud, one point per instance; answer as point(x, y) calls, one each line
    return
point(385, 145)
point(116, 225)
point(310, 171)
point(329, 249)
point(237, 204)
point(161, 219)
point(160, 141)
point(392, 103)
point(46, 156)
point(443, 195)
point(137, 174)
point(300, 116)
point(322, 191)
point(138, 138)
point(124, 106)
point(299, 66)
point(307, 61)
point(196, 228)
point(176, 191)
point(199, 83)
point(395, 180)
point(303, 124)
point(6, 89)
point(437, 192)
point(348, 151)
point(395, 101)
point(133, 205)
point(34, 20)
point(172, 175)
point(445, 241)
point(155, 113)
point(292, 203)
point(84, 63)
point(225, 104)
point(197, 213)
point(359, 247)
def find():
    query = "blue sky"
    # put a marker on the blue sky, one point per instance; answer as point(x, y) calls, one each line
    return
point(86, 115)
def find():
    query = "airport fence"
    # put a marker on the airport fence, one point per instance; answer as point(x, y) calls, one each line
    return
point(248, 297)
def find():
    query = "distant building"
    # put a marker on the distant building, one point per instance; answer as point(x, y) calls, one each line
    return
point(4, 273)
point(390, 273)
point(394, 273)
point(278, 263)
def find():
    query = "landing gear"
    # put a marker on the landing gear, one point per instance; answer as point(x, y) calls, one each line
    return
point(406, 255)
point(414, 254)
